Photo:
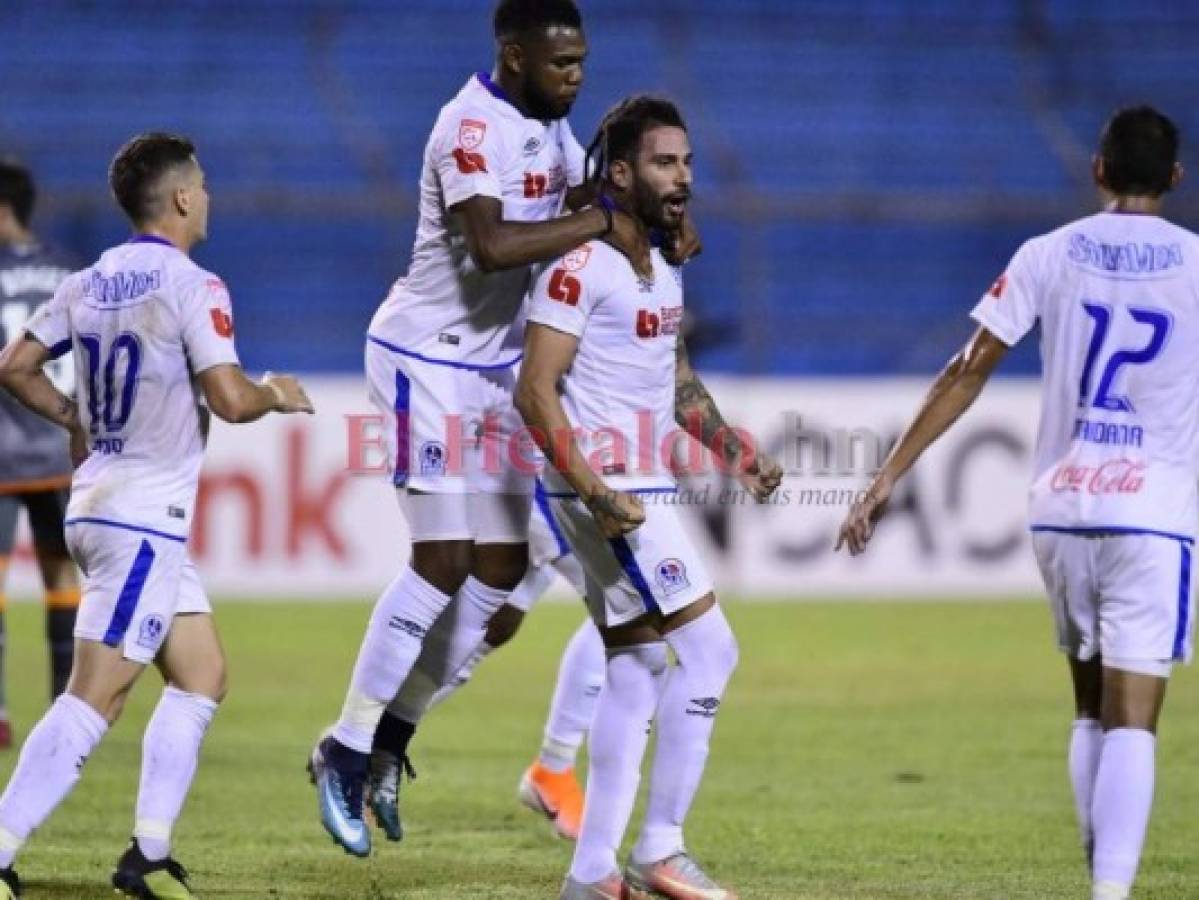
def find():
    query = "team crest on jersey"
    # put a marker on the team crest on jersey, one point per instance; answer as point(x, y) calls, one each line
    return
point(471, 133)
point(671, 576)
point(432, 458)
point(149, 633)
point(576, 259)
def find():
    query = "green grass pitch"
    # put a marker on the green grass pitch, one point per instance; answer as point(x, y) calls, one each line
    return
point(864, 751)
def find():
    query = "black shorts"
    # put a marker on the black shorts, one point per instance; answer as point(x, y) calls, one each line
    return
point(46, 512)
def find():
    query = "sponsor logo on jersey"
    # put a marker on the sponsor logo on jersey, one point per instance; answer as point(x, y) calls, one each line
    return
point(149, 633)
point(1116, 476)
point(671, 576)
point(998, 287)
point(704, 706)
point(222, 322)
point(432, 458)
point(648, 324)
point(564, 288)
point(469, 163)
point(536, 184)
point(471, 133)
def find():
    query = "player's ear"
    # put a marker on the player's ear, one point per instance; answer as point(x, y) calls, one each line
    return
point(621, 174)
point(1177, 175)
point(182, 199)
point(512, 57)
point(1097, 172)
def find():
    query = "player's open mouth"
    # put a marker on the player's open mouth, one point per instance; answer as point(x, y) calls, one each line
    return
point(676, 205)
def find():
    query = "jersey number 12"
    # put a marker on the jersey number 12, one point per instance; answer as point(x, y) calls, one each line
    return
point(1158, 320)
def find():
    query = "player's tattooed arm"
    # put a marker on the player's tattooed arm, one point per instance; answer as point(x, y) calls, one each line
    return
point(22, 375)
point(696, 412)
point(955, 389)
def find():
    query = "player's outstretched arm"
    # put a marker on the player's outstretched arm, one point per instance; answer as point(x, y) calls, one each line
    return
point(235, 398)
point(495, 244)
point(23, 376)
point(696, 412)
point(950, 395)
point(548, 355)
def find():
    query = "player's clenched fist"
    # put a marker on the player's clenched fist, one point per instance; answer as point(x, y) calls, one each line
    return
point(289, 393)
point(762, 477)
point(616, 512)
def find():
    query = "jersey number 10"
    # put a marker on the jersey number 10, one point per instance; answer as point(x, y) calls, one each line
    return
point(1101, 315)
point(111, 379)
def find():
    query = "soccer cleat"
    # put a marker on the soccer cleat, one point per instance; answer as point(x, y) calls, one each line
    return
point(387, 770)
point(5, 734)
point(611, 888)
point(10, 884)
point(678, 877)
point(556, 795)
point(339, 795)
point(137, 876)
point(1110, 890)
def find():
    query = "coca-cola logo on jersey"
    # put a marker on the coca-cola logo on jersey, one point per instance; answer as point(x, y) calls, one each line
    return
point(1116, 476)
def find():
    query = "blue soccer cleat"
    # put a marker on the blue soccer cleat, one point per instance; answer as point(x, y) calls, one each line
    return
point(387, 770)
point(339, 789)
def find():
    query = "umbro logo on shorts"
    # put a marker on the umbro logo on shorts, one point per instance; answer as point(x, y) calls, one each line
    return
point(704, 706)
point(415, 629)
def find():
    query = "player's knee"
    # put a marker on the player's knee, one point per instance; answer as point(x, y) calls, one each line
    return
point(502, 626)
point(444, 564)
point(501, 566)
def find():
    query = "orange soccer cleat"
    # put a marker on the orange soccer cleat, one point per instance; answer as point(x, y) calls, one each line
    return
point(556, 795)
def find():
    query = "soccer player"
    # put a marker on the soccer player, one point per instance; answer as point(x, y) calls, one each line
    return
point(35, 467)
point(440, 356)
point(603, 355)
point(1113, 498)
point(151, 337)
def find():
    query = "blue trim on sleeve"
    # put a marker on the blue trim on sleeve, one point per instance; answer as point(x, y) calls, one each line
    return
point(473, 367)
point(62, 348)
point(1184, 604)
point(131, 592)
point(1100, 530)
point(543, 506)
point(628, 562)
point(403, 411)
point(92, 520)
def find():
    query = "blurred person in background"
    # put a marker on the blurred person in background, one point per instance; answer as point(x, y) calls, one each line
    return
point(35, 465)
point(1113, 503)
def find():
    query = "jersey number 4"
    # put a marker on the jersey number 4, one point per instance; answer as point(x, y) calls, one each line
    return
point(111, 379)
point(1104, 398)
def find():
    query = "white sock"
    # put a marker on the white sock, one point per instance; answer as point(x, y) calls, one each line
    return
point(170, 754)
point(1121, 804)
point(464, 675)
point(401, 619)
point(1086, 741)
point(706, 651)
point(621, 729)
point(580, 678)
point(51, 761)
point(450, 643)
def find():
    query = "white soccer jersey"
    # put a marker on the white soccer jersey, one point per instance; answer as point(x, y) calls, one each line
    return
point(445, 309)
point(141, 323)
point(620, 388)
point(1117, 298)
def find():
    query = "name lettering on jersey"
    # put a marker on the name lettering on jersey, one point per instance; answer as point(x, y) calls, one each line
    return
point(1116, 476)
point(121, 286)
point(31, 280)
point(1137, 259)
point(1108, 433)
point(666, 321)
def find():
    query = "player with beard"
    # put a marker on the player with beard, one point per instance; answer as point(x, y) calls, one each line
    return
point(499, 168)
point(602, 354)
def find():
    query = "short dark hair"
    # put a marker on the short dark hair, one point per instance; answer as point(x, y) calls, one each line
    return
point(619, 134)
point(518, 17)
point(16, 190)
point(138, 166)
point(1139, 147)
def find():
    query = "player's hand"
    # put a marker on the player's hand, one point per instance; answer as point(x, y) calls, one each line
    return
point(616, 512)
point(761, 477)
point(80, 446)
point(289, 393)
point(629, 236)
point(858, 527)
point(683, 244)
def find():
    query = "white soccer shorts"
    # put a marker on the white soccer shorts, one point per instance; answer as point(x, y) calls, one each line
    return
point(135, 581)
point(654, 568)
point(1125, 596)
point(452, 432)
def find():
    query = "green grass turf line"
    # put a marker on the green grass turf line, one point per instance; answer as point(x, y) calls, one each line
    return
point(865, 750)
